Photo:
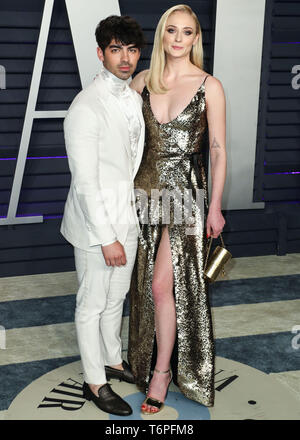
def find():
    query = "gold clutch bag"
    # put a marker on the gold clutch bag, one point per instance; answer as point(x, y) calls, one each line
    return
point(216, 262)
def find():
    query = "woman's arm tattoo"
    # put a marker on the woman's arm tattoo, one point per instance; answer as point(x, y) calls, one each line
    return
point(215, 144)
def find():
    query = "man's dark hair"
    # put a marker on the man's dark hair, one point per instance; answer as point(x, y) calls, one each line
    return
point(124, 30)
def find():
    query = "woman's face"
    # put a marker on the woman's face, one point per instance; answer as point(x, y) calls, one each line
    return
point(180, 34)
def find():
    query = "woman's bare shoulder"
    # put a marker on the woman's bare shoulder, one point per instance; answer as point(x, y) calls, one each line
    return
point(139, 81)
point(200, 76)
point(214, 91)
point(213, 83)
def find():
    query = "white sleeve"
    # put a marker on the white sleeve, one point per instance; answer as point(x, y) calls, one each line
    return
point(82, 128)
point(108, 243)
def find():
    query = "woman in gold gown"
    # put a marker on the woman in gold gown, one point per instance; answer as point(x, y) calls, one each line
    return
point(170, 318)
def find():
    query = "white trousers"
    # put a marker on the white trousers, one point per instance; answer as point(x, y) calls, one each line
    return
point(99, 308)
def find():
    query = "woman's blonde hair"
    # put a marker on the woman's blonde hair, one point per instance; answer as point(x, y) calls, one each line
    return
point(154, 77)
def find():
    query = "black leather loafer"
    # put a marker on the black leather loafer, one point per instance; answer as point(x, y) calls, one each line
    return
point(126, 374)
point(107, 400)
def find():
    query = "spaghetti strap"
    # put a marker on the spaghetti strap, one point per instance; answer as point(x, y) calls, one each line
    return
point(205, 79)
point(144, 92)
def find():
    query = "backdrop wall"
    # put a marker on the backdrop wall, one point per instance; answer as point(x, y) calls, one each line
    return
point(39, 248)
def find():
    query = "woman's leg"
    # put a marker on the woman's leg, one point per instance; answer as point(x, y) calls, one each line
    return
point(165, 318)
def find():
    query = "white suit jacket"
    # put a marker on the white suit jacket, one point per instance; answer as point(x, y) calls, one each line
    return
point(101, 196)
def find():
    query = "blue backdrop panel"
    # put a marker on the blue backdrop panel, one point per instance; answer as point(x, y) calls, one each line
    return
point(38, 248)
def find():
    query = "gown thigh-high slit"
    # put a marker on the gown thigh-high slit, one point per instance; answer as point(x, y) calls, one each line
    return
point(164, 304)
point(168, 166)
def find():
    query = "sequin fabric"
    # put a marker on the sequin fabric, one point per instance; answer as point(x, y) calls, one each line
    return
point(166, 166)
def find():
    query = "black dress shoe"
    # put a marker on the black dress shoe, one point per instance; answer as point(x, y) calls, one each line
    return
point(108, 400)
point(114, 373)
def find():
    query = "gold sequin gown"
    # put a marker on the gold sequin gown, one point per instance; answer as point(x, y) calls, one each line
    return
point(167, 165)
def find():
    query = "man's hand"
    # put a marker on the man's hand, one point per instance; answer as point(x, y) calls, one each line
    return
point(114, 254)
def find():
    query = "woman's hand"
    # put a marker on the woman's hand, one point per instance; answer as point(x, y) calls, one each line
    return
point(138, 82)
point(215, 222)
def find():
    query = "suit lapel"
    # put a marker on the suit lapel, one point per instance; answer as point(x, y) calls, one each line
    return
point(114, 109)
point(140, 149)
point(120, 122)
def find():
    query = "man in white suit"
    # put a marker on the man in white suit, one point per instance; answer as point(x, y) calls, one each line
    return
point(104, 136)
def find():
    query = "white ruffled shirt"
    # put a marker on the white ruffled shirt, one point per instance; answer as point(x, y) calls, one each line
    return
point(121, 90)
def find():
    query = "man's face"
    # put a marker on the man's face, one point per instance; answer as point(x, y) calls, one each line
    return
point(120, 60)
